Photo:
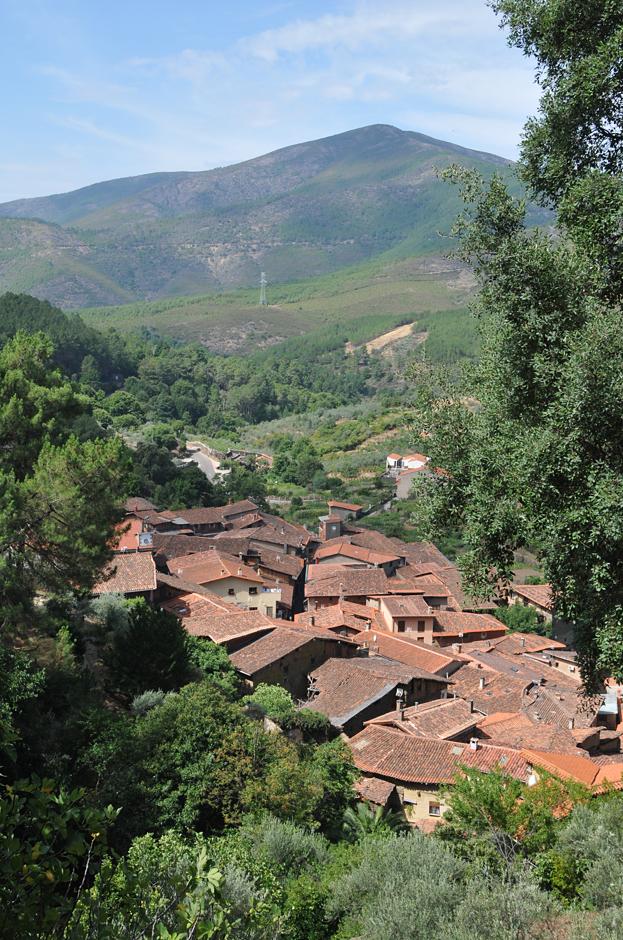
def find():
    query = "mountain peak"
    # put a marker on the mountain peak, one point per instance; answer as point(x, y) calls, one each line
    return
point(310, 208)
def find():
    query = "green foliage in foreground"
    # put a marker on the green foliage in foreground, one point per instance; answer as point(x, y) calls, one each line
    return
point(503, 866)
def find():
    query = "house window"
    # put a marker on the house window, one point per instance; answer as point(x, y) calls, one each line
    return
point(401, 626)
point(253, 590)
point(434, 809)
point(231, 591)
point(269, 611)
point(421, 624)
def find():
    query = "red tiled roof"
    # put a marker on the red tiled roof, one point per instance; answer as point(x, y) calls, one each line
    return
point(455, 622)
point(353, 507)
point(139, 504)
point(517, 730)
point(373, 790)
point(212, 565)
point(443, 718)
point(275, 646)
point(357, 553)
point(407, 650)
point(518, 643)
point(412, 760)
point(539, 594)
point(501, 693)
point(354, 582)
point(126, 535)
point(131, 573)
point(559, 704)
point(331, 617)
point(407, 605)
point(345, 686)
point(207, 615)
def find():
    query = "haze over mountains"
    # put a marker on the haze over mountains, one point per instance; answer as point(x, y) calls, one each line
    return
point(302, 211)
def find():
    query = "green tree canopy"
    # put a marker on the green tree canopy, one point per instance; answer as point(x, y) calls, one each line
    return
point(539, 461)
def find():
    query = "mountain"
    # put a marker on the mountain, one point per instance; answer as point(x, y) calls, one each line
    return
point(305, 210)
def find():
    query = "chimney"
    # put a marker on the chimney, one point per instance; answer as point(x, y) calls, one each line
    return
point(481, 682)
point(471, 706)
point(312, 621)
point(522, 641)
point(473, 744)
point(571, 724)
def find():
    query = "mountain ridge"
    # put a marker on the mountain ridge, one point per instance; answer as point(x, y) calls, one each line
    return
point(303, 210)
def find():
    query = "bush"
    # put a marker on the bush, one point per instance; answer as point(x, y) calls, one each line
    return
point(143, 703)
point(286, 846)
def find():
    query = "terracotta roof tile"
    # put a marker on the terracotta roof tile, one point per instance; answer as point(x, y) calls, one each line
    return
point(517, 730)
point(518, 643)
point(558, 705)
point(442, 718)
point(412, 760)
point(211, 565)
point(209, 616)
point(407, 605)
point(354, 582)
point(131, 573)
point(357, 553)
point(408, 650)
point(539, 594)
point(273, 647)
point(345, 686)
point(376, 791)
point(455, 623)
point(500, 693)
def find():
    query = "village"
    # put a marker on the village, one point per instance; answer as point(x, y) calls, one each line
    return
point(420, 679)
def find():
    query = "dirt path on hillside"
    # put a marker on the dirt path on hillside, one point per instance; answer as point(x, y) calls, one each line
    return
point(387, 339)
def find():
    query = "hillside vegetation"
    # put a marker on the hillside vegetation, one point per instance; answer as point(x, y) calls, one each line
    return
point(393, 293)
point(300, 212)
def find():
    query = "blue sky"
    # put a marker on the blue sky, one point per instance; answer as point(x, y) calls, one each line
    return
point(95, 90)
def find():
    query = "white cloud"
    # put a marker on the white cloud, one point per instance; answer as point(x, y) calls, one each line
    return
point(437, 66)
point(367, 25)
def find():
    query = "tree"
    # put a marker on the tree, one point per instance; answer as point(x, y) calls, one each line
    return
point(50, 841)
point(523, 620)
point(540, 461)
point(59, 497)
point(150, 652)
point(212, 662)
point(274, 701)
point(37, 404)
point(296, 461)
point(163, 887)
point(242, 483)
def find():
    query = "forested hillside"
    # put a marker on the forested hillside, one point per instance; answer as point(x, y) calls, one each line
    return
point(303, 211)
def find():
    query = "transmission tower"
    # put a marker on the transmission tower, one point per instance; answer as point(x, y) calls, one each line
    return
point(263, 301)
